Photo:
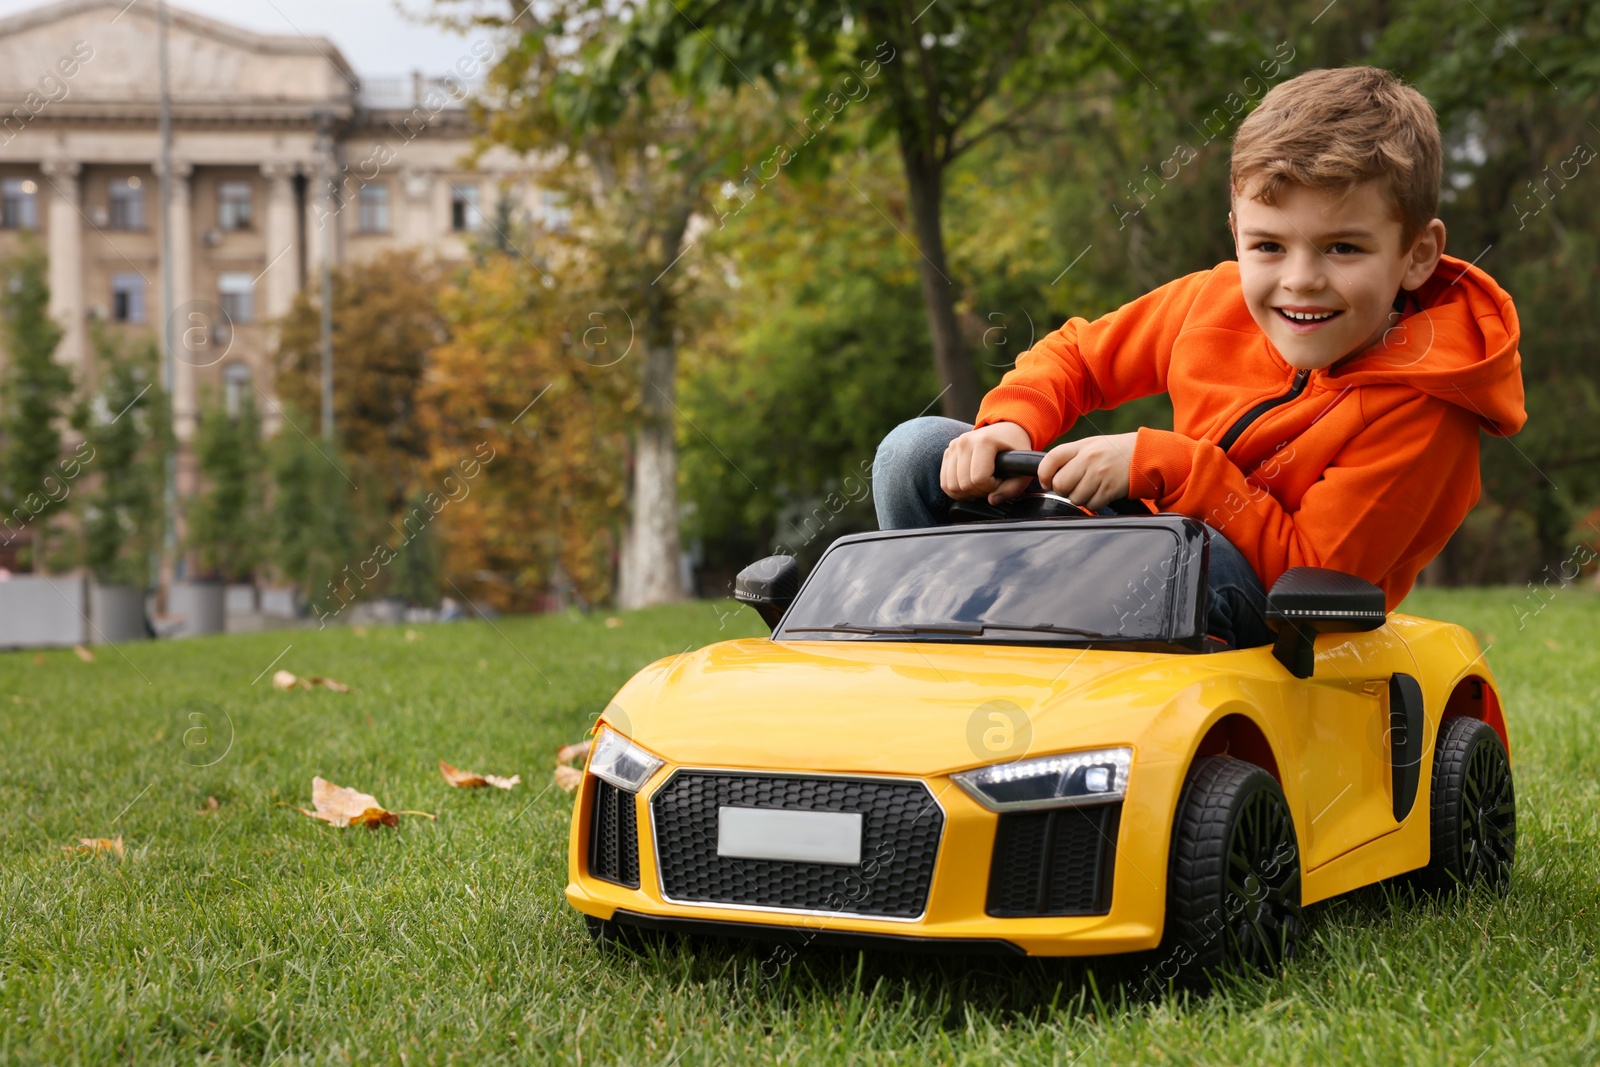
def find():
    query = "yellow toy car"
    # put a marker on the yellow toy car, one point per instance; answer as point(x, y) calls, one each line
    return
point(1013, 735)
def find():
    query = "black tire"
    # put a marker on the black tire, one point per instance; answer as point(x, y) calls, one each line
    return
point(1233, 882)
point(1473, 814)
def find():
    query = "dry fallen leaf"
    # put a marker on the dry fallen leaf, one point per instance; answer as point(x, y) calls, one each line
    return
point(569, 777)
point(112, 845)
point(38, 659)
point(467, 780)
point(412, 635)
point(359, 630)
point(212, 804)
point(288, 680)
point(613, 622)
point(568, 753)
point(83, 653)
point(343, 806)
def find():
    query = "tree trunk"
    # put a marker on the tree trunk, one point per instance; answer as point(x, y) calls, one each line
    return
point(957, 377)
point(648, 567)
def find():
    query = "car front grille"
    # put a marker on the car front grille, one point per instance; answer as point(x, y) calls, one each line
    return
point(1053, 862)
point(900, 830)
point(614, 836)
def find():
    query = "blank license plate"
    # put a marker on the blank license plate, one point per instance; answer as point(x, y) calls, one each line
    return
point(807, 836)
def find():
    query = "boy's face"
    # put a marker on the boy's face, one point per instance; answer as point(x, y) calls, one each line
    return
point(1320, 269)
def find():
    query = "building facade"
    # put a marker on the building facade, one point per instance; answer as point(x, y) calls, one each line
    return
point(281, 158)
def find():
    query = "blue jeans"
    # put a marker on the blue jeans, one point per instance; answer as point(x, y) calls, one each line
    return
point(906, 493)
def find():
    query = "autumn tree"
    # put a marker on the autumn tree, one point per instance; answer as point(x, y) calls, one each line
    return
point(633, 174)
point(385, 321)
point(524, 416)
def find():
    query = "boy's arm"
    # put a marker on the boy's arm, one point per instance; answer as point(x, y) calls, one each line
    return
point(1362, 516)
point(1085, 366)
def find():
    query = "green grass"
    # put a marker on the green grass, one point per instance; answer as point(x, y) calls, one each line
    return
point(253, 934)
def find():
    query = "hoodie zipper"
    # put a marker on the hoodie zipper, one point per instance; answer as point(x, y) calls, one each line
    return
point(1243, 424)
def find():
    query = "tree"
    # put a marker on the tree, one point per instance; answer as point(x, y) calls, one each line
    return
point(127, 435)
point(314, 529)
point(937, 78)
point(1512, 82)
point(633, 176)
point(37, 389)
point(526, 439)
point(823, 351)
point(385, 321)
point(225, 516)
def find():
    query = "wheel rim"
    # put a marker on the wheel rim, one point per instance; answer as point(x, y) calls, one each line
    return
point(1488, 817)
point(1261, 894)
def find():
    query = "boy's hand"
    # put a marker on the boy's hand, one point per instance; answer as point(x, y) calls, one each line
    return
point(968, 468)
point(1091, 472)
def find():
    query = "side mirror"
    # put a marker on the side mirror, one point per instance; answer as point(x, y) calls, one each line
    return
point(768, 585)
point(1308, 601)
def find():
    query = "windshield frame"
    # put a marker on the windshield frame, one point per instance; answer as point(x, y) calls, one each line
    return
point(1185, 627)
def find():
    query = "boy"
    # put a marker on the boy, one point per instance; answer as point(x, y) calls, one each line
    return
point(1327, 388)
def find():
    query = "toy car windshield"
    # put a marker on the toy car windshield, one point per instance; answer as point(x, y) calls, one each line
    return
point(1104, 584)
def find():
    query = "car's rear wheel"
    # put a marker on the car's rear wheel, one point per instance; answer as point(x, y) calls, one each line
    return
point(1474, 810)
point(1233, 884)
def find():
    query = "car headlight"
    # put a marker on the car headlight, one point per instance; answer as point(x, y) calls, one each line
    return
point(1093, 777)
point(621, 762)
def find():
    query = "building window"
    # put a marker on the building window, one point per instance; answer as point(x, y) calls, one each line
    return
point(235, 387)
point(19, 204)
point(554, 212)
point(465, 215)
point(374, 208)
point(127, 297)
point(238, 296)
point(127, 204)
point(233, 205)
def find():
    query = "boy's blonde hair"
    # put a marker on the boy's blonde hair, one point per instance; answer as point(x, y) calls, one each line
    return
point(1333, 129)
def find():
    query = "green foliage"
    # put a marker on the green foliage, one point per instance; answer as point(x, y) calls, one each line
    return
point(36, 390)
point(314, 526)
point(786, 408)
point(225, 516)
point(1083, 158)
point(127, 430)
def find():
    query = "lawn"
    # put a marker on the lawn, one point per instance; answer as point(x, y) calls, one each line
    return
point(249, 933)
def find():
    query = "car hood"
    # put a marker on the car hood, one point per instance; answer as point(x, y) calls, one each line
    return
point(894, 707)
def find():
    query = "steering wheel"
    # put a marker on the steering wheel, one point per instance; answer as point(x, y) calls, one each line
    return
point(1036, 502)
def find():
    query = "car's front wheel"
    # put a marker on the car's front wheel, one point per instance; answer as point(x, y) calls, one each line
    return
point(1474, 810)
point(1233, 884)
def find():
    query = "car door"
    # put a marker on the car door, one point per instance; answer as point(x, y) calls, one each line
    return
point(1341, 718)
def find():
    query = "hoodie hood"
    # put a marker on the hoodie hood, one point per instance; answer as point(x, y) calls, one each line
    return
point(1461, 347)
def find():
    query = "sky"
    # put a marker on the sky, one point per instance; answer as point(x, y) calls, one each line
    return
point(374, 36)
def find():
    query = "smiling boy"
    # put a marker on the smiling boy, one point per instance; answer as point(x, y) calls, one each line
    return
point(1327, 387)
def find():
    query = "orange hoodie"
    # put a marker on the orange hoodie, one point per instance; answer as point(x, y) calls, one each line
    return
point(1366, 467)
